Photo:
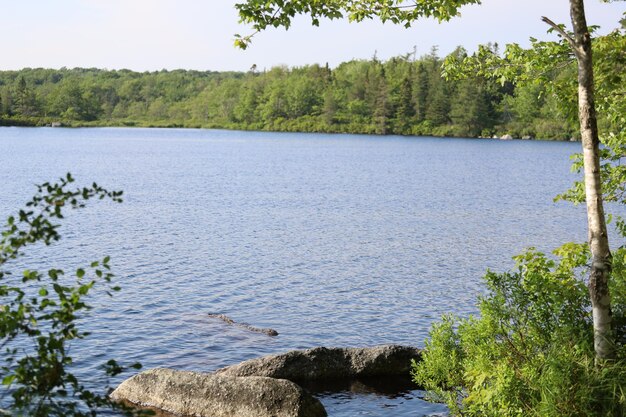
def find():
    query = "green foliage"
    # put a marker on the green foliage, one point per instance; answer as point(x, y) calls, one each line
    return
point(610, 81)
point(404, 95)
point(530, 351)
point(357, 97)
point(39, 311)
point(262, 14)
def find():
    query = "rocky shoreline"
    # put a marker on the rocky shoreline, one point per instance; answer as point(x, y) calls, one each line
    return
point(269, 386)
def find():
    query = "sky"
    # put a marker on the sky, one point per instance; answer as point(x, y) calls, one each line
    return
point(149, 35)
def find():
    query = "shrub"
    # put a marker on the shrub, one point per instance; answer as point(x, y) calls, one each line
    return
point(530, 352)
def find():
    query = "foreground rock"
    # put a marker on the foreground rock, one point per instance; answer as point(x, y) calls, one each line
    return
point(329, 363)
point(208, 395)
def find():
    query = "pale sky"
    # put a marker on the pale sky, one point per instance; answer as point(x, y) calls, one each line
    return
point(147, 35)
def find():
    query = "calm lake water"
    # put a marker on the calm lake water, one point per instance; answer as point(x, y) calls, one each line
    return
point(333, 240)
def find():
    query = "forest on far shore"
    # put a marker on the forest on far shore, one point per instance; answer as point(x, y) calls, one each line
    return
point(404, 95)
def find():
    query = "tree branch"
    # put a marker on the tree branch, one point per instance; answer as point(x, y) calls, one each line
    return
point(563, 33)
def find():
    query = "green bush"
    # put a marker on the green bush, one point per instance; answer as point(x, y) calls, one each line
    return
point(530, 352)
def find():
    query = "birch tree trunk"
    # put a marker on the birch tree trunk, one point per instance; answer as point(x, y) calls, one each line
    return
point(598, 238)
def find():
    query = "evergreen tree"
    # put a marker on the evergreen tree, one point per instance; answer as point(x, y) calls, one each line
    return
point(330, 107)
point(378, 98)
point(470, 109)
point(438, 109)
point(406, 108)
point(25, 102)
point(421, 92)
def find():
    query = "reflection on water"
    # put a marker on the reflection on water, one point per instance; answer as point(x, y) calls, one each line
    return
point(383, 396)
point(380, 386)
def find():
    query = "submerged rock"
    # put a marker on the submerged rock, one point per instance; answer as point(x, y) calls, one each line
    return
point(208, 395)
point(246, 326)
point(329, 363)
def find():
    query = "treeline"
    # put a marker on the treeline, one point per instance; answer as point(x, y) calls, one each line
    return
point(404, 95)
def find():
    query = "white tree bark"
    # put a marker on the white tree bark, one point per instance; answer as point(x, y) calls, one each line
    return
point(598, 238)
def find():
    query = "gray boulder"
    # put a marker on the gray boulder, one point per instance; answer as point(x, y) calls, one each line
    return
point(329, 363)
point(208, 395)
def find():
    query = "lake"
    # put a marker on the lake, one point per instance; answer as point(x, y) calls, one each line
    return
point(332, 240)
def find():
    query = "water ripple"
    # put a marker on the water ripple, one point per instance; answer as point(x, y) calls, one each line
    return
point(333, 240)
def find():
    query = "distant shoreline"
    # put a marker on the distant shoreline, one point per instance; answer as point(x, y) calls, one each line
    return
point(401, 96)
point(165, 125)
